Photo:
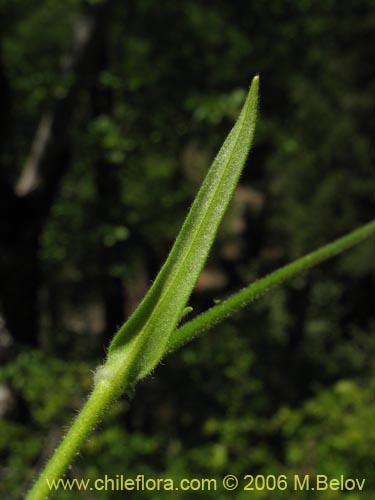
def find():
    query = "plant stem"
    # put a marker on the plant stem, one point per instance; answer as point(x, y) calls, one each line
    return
point(105, 391)
point(216, 314)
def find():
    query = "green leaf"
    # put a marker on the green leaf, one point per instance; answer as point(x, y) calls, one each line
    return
point(143, 339)
point(187, 310)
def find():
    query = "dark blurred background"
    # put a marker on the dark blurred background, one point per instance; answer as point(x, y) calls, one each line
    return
point(111, 112)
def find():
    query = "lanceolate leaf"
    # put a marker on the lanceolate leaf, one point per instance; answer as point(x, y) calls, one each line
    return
point(142, 341)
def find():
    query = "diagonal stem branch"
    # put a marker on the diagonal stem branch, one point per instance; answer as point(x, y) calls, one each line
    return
point(217, 314)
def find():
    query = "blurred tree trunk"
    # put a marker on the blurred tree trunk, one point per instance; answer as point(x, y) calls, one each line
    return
point(25, 207)
point(112, 289)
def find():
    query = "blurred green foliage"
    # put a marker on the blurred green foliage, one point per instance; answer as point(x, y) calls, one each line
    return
point(287, 386)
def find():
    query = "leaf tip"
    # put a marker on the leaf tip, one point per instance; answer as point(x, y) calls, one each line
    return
point(255, 82)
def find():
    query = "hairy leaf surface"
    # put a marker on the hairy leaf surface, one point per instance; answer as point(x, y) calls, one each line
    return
point(142, 341)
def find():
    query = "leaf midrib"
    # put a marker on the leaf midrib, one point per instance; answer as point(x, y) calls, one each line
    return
point(139, 344)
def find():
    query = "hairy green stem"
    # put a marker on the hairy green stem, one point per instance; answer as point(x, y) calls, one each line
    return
point(218, 313)
point(70, 445)
point(108, 386)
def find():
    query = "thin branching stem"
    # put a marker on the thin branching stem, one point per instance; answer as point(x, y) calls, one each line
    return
point(218, 313)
